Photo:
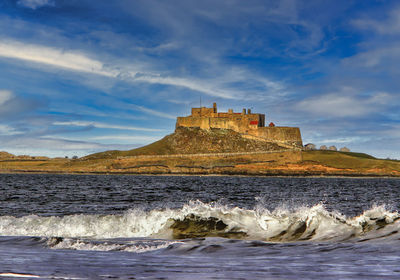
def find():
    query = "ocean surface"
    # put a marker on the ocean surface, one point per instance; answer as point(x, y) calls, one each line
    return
point(194, 227)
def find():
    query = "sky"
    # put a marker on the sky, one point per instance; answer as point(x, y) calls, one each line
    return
point(83, 76)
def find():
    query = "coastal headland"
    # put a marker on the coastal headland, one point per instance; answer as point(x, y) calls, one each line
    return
point(213, 143)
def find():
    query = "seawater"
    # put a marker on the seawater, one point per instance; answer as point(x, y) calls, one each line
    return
point(193, 227)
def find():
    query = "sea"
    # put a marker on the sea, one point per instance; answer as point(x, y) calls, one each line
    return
point(198, 227)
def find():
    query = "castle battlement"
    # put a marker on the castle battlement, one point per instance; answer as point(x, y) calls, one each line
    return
point(247, 123)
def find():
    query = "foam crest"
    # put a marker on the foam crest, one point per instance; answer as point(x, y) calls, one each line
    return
point(135, 223)
point(197, 219)
point(135, 246)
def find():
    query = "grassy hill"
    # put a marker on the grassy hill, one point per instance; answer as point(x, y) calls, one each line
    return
point(5, 155)
point(195, 141)
point(349, 160)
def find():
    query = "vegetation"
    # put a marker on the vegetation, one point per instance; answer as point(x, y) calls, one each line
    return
point(191, 141)
point(194, 141)
point(349, 160)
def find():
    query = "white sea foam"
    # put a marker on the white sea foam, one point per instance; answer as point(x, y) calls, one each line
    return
point(280, 225)
point(18, 275)
point(136, 246)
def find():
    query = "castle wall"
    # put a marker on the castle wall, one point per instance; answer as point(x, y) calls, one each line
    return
point(203, 111)
point(237, 123)
point(287, 135)
point(202, 122)
point(245, 123)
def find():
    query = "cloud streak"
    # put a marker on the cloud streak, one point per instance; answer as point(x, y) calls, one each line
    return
point(104, 125)
point(69, 60)
point(5, 95)
point(78, 61)
point(389, 26)
point(34, 4)
point(154, 112)
point(6, 130)
point(130, 138)
point(340, 105)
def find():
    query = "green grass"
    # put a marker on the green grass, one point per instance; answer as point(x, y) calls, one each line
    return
point(193, 141)
point(349, 160)
point(358, 155)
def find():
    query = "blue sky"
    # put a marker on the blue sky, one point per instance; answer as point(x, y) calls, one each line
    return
point(82, 76)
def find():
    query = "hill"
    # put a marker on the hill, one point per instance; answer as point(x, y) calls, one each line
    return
point(358, 162)
point(196, 151)
point(186, 140)
point(5, 155)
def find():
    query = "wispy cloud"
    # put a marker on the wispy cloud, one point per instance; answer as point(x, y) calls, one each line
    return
point(154, 112)
point(371, 58)
point(6, 130)
point(78, 61)
point(70, 60)
point(55, 147)
point(5, 95)
point(200, 86)
point(104, 125)
point(390, 25)
point(342, 140)
point(130, 138)
point(34, 4)
point(341, 105)
point(14, 106)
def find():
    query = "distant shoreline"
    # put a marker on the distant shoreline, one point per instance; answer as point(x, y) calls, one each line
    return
point(358, 176)
point(290, 163)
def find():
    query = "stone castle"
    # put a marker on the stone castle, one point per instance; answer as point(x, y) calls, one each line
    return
point(248, 124)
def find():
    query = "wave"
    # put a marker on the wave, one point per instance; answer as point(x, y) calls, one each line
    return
point(197, 219)
point(136, 246)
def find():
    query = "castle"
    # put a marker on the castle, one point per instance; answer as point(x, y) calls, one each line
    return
point(248, 124)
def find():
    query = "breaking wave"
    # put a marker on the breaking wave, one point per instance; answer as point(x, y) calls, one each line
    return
point(197, 219)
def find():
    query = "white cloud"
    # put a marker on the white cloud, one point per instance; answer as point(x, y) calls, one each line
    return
point(154, 112)
point(382, 56)
point(6, 130)
point(392, 132)
point(104, 125)
point(5, 95)
point(225, 86)
point(339, 105)
point(34, 4)
point(389, 25)
point(200, 86)
point(69, 60)
point(78, 61)
point(55, 147)
point(130, 138)
point(342, 140)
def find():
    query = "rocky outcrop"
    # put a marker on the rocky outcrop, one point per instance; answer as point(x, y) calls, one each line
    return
point(194, 140)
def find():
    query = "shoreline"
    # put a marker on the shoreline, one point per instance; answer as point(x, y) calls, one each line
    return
point(358, 176)
point(279, 164)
